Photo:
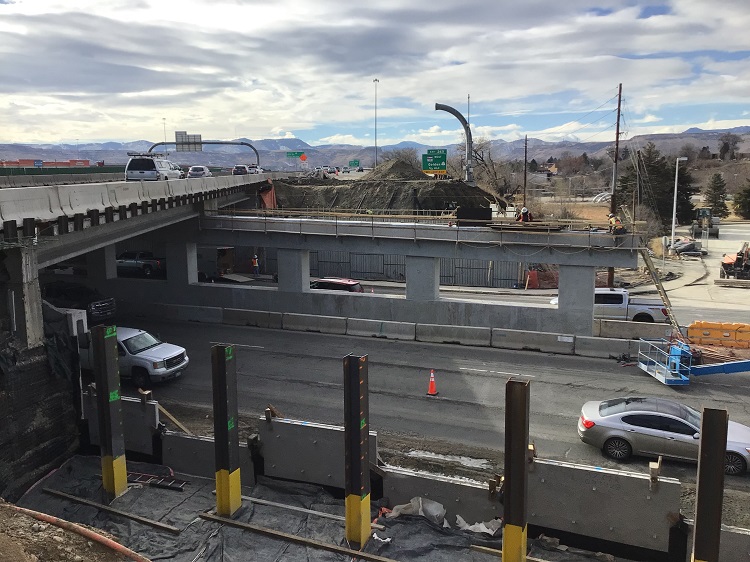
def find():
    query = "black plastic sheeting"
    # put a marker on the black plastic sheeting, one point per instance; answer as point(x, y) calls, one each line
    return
point(412, 537)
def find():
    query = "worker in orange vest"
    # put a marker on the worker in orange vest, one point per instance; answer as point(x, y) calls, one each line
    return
point(256, 265)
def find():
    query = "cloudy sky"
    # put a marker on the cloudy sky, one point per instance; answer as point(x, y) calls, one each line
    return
point(124, 70)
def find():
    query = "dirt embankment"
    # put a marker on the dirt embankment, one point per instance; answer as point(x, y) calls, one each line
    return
point(393, 185)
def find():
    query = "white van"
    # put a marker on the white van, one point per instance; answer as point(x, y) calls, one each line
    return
point(150, 167)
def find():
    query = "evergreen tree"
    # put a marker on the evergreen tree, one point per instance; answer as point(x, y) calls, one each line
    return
point(716, 196)
point(742, 202)
point(656, 184)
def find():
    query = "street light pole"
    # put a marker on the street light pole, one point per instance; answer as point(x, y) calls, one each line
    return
point(376, 82)
point(164, 122)
point(674, 205)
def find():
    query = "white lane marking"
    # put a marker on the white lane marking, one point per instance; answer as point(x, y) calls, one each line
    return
point(496, 372)
point(237, 345)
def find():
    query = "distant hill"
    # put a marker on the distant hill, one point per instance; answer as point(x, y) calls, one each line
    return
point(273, 152)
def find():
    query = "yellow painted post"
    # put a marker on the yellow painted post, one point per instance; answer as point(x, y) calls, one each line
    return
point(226, 434)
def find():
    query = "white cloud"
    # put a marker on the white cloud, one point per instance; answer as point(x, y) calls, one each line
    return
point(115, 68)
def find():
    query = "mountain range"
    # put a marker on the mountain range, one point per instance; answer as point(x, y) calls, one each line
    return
point(273, 152)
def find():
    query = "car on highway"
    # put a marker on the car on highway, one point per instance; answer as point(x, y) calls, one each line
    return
point(337, 284)
point(151, 167)
point(179, 170)
point(345, 170)
point(240, 170)
point(141, 357)
point(255, 169)
point(199, 172)
point(652, 427)
point(64, 294)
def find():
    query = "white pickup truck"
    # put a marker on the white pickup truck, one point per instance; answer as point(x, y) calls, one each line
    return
point(617, 304)
point(141, 357)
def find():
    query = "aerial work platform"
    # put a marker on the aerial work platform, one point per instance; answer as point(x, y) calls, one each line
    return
point(670, 362)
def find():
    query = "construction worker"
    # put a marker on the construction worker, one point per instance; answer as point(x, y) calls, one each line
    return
point(256, 265)
point(615, 224)
point(525, 216)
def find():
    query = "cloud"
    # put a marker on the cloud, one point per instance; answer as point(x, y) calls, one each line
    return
point(116, 68)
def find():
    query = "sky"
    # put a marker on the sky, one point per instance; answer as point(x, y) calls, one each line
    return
point(342, 72)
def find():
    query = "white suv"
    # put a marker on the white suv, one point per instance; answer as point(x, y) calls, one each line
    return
point(150, 167)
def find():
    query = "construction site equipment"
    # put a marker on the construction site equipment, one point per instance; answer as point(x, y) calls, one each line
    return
point(704, 224)
point(736, 265)
point(166, 482)
point(662, 293)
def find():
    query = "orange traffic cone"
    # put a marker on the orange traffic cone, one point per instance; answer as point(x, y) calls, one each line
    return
point(431, 390)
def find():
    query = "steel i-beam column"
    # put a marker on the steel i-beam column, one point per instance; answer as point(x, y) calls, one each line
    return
point(710, 489)
point(226, 434)
point(109, 406)
point(516, 469)
point(357, 450)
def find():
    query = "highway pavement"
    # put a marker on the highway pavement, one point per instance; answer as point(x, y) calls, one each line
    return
point(302, 375)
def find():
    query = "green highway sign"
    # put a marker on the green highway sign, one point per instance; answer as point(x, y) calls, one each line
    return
point(437, 151)
point(434, 163)
point(354, 163)
point(294, 154)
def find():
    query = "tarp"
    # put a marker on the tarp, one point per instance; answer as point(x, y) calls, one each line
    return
point(406, 537)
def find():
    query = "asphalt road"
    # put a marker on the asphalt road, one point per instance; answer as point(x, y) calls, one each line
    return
point(302, 375)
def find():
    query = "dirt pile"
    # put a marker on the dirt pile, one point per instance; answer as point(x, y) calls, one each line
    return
point(24, 539)
point(396, 170)
point(378, 195)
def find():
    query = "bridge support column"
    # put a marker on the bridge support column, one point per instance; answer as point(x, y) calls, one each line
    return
point(422, 278)
point(182, 264)
point(576, 300)
point(101, 264)
point(294, 270)
point(20, 300)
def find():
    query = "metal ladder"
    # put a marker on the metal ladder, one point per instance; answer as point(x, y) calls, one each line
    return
point(166, 482)
point(661, 291)
point(655, 278)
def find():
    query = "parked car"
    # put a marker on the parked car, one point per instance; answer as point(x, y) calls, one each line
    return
point(150, 167)
point(622, 427)
point(63, 294)
point(199, 172)
point(617, 304)
point(240, 170)
point(141, 357)
point(141, 263)
point(337, 284)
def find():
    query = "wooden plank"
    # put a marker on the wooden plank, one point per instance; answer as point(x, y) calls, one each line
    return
point(102, 507)
point(295, 539)
point(174, 420)
point(304, 510)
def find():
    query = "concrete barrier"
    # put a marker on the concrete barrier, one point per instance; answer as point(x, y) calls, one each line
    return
point(314, 323)
point(83, 198)
point(155, 190)
point(608, 348)
point(40, 203)
point(191, 454)
point(631, 330)
point(463, 335)
point(188, 313)
point(381, 329)
point(547, 342)
point(126, 193)
point(178, 188)
point(257, 318)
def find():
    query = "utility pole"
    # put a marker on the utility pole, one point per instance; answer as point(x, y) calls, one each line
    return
point(376, 82)
point(525, 163)
point(613, 199)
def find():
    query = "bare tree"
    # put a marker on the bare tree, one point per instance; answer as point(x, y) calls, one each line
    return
point(407, 155)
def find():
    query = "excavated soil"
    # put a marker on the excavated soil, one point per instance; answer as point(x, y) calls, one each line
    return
point(24, 539)
point(391, 186)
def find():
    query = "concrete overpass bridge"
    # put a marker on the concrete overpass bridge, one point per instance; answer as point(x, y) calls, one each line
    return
point(46, 225)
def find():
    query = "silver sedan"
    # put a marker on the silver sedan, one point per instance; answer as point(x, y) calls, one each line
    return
point(622, 427)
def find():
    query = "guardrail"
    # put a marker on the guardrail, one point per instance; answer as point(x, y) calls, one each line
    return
point(49, 210)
